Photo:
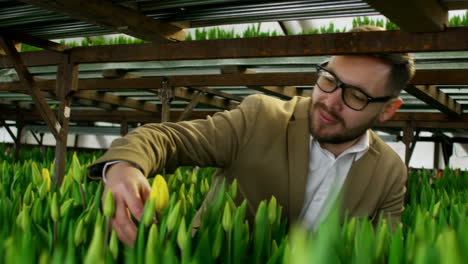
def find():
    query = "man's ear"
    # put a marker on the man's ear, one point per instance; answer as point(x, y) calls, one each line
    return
point(390, 108)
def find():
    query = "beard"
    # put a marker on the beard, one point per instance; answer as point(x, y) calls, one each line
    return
point(347, 134)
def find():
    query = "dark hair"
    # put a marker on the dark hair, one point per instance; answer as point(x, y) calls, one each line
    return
point(402, 64)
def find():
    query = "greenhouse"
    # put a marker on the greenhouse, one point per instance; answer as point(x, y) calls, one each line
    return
point(77, 75)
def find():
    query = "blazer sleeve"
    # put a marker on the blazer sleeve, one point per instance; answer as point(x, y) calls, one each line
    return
point(215, 141)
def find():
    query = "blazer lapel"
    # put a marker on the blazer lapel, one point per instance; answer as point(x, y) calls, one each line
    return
point(298, 156)
point(358, 179)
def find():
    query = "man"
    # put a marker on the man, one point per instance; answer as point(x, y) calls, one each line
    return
point(306, 151)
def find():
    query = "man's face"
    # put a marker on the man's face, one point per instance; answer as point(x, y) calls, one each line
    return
point(331, 120)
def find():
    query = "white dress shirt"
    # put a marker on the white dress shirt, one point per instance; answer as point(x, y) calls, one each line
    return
point(325, 178)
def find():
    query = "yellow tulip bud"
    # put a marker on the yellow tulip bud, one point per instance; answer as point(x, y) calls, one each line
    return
point(182, 235)
point(79, 234)
point(159, 193)
point(109, 205)
point(46, 178)
point(54, 208)
point(227, 218)
point(272, 210)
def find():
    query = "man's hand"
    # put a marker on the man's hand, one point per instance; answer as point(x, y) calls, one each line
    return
point(130, 189)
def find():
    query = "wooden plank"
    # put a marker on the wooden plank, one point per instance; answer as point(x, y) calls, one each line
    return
point(430, 117)
point(87, 102)
point(123, 127)
point(115, 17)
point(420, 120)
point(455, 4)
point(33, 58)
point(435, 98)
point(210, 91)
point(414, 15)
point(451, 39)
point(34, 41)
point(165, 110)
point(189, 108)
point(117, 100)
point(67, 83)
point(422, 77)
point(19, 132)
point(425, 125)
point(186, 95)
point(27, 81)
point(114, 116)
point(284, 92)
point(446, 76)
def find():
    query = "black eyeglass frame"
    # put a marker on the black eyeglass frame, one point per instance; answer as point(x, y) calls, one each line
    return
point(344, 86)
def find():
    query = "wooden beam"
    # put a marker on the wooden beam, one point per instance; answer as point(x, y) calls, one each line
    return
point(422, 77)
point(111, 99)
point(285, 92)
point(115, 17)
point(189, 108)
point(166, 94)
point(115, 116)
point(210, 91)
point(446, 76)
point(430, 117)
point(66, 85)
point(27, 81)
point(87, 102)
point(414, 15)
point(186, 95)
point(420, 120)
point(34, 41)
point(19, 132)
point(118, 74)
point(425, 125)
point(455, 4)
point(451, 39)
point(436, 98)
point(193, 81)
point(123, 127)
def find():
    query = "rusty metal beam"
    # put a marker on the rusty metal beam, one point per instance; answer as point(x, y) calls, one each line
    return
point(34, 41)
point(115, 17)
point(414, 15)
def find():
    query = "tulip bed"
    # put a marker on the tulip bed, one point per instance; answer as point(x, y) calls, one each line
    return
point(48, 224)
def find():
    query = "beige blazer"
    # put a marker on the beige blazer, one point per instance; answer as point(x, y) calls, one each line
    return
point(264, 143)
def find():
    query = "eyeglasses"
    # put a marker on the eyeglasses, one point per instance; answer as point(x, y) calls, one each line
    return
point(354, 97)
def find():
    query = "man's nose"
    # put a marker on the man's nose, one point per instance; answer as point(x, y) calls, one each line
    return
point(334, 100)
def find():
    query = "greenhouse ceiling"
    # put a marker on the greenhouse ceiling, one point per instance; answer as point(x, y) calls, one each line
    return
point(131, 83)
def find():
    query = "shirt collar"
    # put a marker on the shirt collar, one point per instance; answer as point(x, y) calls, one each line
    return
point(359, 148)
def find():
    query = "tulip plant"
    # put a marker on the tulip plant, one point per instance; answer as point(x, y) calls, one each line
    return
point(68, 224)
